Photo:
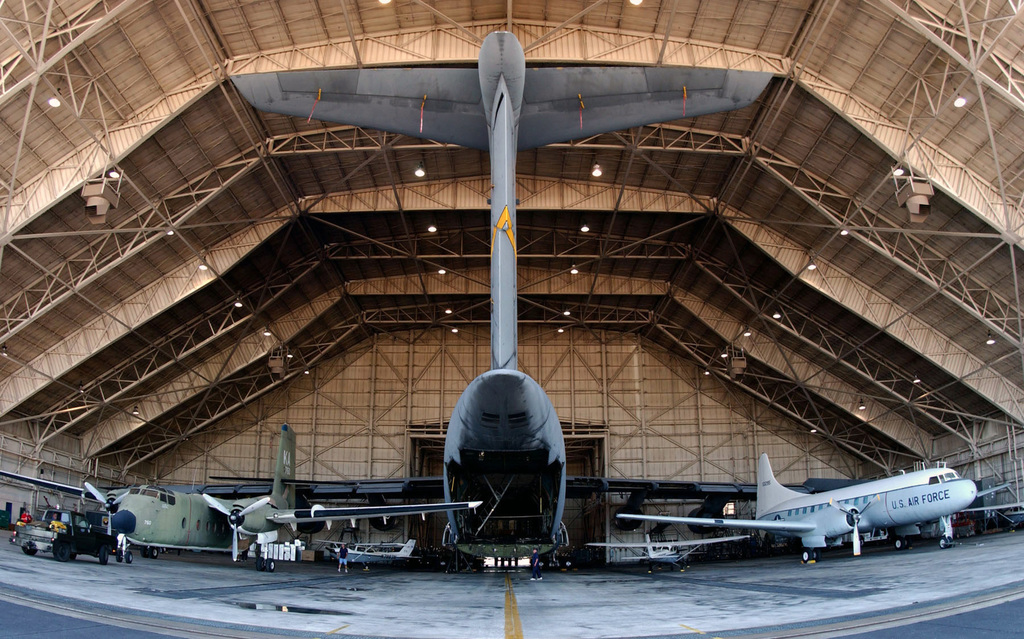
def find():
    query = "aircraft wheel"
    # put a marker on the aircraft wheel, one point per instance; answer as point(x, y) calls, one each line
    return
point(899, 543)
point(945, 542)
point(144, 552)
point(61, 551)
point(271, 565)
point(154, 553)
point(806, 556)
point(260, 564)
point(128, 557)
point(817, 554)
point(29, 551)
point(104, 555)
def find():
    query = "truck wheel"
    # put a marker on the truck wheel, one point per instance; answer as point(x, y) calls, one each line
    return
point(61, 551)
point(29, 551)
point(104, 555)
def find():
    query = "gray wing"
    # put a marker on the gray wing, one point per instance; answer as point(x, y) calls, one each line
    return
point(384, 99)
point(742, 524)
point(616, 98)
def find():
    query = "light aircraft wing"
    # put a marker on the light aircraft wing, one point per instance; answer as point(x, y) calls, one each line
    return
point(996, 507)
point(444, 104)
point(320, 513)
point(741, 524)
point(77, 491)
point(671, 544)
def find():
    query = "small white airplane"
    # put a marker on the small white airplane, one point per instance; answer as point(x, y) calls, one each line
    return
point(383, 553)
point(828, 518)
point(664, 552)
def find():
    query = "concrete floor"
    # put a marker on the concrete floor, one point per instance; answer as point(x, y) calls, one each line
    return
point(207, 595)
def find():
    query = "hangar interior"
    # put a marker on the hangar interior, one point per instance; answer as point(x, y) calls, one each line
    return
point(738, 283)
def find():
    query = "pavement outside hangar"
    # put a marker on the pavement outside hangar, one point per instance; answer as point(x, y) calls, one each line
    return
point(205, 595)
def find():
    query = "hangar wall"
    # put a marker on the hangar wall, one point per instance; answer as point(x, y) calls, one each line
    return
point(629, 408)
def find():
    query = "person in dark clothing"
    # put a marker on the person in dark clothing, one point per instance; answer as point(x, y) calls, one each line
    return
point(343, 558)
point(535, 564)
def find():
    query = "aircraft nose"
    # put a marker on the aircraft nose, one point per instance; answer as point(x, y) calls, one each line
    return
point(123, 521)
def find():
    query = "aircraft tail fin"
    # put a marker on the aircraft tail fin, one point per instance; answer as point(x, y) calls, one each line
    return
point(284, 494)
point(406, 550)
point(770, 492)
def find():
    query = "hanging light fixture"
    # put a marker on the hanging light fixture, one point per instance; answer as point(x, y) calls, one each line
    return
point(990, 340)
point(596, 170)
point(861, 405)
point(420, 171)
point(584, 228)
point(574, 270)
point(135, 411)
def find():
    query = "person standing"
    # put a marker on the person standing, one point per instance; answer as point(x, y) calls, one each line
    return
point(535, 564)
point(343, 558)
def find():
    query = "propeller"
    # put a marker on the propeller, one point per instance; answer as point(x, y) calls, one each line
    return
point(236, 517)
point(110, 502)
point(853, 519)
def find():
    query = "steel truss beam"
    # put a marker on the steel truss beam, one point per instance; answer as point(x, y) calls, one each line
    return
point(120, 319)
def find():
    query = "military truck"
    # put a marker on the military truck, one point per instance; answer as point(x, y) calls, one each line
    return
point(66, 534)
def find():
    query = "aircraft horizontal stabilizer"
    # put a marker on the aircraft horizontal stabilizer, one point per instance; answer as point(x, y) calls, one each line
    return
point(45, 483)
point(319, 513)
point(739, 524)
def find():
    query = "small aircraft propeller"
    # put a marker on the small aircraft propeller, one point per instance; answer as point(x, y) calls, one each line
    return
point(236, 517)
point(110, 502)
point(853, 518)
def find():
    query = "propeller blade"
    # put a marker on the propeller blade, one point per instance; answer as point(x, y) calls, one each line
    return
point(259, 503)
point(234, 543)
point(120, 497)
point(216, 505)
point(95, 492)
point(856, 537)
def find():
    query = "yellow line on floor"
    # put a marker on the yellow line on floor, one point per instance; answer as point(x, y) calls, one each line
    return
point(513, 627)
point(338, 629)
point(699, 632)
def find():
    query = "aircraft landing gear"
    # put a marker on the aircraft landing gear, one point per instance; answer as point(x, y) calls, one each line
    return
point(900, 543)
point(946, 542)
point(810, 555)
point(265, 564)
point(947, 532)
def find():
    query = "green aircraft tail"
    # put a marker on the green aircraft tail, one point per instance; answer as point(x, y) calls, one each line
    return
point(284, 494)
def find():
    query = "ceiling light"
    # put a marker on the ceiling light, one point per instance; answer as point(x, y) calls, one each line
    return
point(384, 1)
point(289, 356)
point(574, 270)
point(447, 311)
point(54, 102)
point(746, 332)
point(432, 229)
point(566, 313)
point(814, 430)
point(238, 303)
point(861, 405)
point(420, 171)
point(724, 355)
point(113, 174)
point(812, 266)
point(596, 170)
point(203, 267)
point(561, 330)
point(917, 380)
point(3, 350)
point(455, 330)
point(81, 387)
point(135, 411)
point(960, 102)
point(170, 231)
point(991, 340)
point(776, 315)
point(266, 332)
point(584, 229)
point(844, 232)
point(441, 271)
point(305, 372)
point(707, 372)
point(898, 171)
point(636, 3)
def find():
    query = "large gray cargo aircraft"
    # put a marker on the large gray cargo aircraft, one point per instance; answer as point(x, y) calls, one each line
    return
point(504, 442)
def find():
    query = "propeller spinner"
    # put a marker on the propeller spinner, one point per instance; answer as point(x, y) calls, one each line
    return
point(236, 517)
